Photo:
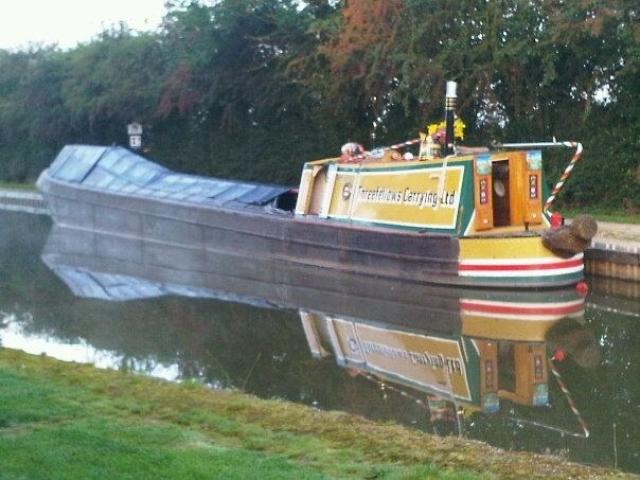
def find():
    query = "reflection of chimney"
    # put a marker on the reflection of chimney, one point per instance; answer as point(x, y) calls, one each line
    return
point(449, 116)
point(439, 409)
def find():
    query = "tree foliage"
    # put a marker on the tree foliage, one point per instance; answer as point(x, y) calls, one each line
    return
point(253, 88)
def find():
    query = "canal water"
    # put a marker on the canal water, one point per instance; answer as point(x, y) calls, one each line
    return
point(548, 372)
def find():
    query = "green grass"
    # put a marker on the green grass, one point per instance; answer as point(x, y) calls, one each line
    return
point(103, 448)
point(18, 186)
point(603, 215)
point(68, 421)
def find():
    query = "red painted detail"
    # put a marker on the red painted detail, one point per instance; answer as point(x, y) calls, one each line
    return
point(582, 288)
point(484, 194)
point(520, 309)
point(533, 186)
point(559, 355)
point(528, 266)
point(537, 367)
point(488, 374)
point(556, 220)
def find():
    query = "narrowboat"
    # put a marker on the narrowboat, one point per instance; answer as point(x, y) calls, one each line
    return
point(445, 215)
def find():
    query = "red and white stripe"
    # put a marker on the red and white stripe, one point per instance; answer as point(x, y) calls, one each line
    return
point(520, 267)
point(522, 310)
point(565, 175)
point(567, 395)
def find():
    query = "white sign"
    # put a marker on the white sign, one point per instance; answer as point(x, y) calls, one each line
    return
point(135, 141)
point(134, 129)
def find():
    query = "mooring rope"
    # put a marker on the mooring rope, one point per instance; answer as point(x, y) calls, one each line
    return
point(567, 395)
point(386, 386)
point(533, 423)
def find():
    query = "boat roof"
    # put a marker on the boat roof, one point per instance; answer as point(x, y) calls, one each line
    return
point(117, 169)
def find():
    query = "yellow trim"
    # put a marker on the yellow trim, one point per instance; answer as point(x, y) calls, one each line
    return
point(327, 196)
point(471, 230)
point(322, 161)
point(479, 326)
point(304, 192)
point(369, 164)
point(503, 248)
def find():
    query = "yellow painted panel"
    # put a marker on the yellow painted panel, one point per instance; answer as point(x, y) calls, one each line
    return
point(480, 326)
point(533, 196)
point(517, 189)
point(502, 248)
point(344, 338)
point(429, 361)
point(420, 198)
point(304, 192)
point(483, 218)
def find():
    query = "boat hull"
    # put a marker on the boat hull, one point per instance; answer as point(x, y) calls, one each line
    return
point(107, 266)
point(519, 261)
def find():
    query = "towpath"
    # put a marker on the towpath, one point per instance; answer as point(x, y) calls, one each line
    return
point(622, 234)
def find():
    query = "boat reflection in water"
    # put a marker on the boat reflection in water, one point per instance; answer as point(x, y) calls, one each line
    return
point(504, 351)
point(457, 352)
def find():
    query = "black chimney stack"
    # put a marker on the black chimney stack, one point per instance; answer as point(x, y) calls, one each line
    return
point(449, 117)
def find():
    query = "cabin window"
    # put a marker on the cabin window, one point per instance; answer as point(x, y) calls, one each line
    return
point(500, 194)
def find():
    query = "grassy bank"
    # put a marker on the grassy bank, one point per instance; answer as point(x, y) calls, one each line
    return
point(30, 187)
point(61, 420)
point(603, 215)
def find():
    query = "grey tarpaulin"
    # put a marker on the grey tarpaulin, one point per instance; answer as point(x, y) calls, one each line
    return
point(117, 169)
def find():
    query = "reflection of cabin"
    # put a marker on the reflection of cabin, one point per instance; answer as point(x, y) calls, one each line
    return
point(523, 373)
point(472, 371)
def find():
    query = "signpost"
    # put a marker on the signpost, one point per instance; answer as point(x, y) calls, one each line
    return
point(134, 130)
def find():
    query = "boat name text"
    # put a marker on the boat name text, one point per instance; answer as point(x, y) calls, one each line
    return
point(433, 360)
point(420, 199)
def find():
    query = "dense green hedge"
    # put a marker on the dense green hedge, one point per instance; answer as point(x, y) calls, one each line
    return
point(251, 89)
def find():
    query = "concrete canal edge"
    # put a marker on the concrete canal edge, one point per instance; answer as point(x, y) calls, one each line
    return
point(22, 201)
point(612, 260)
point(604, 258)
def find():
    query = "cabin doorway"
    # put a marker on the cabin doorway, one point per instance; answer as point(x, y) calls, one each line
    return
point(506, 367)
point(500, 193)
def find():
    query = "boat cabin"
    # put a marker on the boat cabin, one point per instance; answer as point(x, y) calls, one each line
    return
point(461, 191)
point(462, 195)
